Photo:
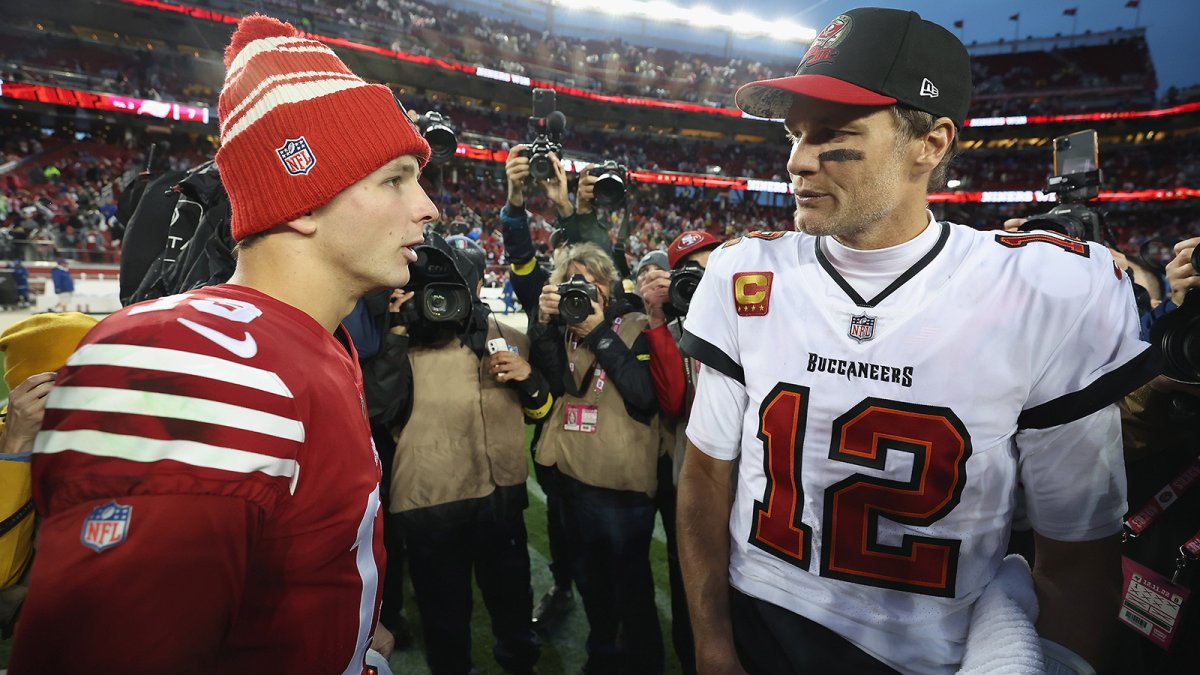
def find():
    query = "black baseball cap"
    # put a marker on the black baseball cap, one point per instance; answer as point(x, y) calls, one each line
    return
point(873, 57)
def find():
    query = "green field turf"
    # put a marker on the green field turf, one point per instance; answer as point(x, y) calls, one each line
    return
point(563, 650)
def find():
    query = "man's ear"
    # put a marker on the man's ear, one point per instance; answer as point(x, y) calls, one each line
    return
point(935, 145)
point(305, 224)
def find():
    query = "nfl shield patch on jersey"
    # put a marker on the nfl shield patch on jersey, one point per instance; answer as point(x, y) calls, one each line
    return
point(106, 526)
point(296, 156)
point(752, 293)
point(862, 327)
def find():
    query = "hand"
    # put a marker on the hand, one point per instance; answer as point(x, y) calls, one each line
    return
point(516, 168)
point(556, 188)
point(1014, 224)
point(26, 406)
point(585, 193)
point(383, 641)
point(508, 366)
point(395, 301)
point(1180, 274)
point(653, 286)
point(548, 303)
point(589, 324)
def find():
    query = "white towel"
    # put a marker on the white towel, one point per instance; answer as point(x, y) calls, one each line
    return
point(1002, 639)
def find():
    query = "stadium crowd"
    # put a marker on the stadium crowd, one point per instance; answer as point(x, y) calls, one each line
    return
point(1061, 77)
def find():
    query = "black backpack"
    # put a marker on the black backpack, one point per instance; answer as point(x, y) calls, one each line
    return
point(178, 237)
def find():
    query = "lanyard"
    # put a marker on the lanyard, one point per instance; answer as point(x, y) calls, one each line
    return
point(599, 373)
point(1163, 500)
point(1158, 504)
point(1188, 553)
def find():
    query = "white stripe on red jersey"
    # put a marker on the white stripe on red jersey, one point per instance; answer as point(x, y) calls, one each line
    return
point(130, 402)
point(140, 449)
point(179, 361)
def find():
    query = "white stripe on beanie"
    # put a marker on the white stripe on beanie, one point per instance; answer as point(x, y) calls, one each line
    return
point(261, 45)
point(285, 94)
point(274, 80)
point(231, 80)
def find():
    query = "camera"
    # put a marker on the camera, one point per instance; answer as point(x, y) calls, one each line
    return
point(1076, 181)
point(609, 189)
point(438, 132)
point(546, 125)
point(575, 299)
point(1177, 335)
point(440, 291)
point(684, 281)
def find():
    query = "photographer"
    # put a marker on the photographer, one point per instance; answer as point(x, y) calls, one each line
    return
point(1182, 276)
point(1159, 422)
point(675, 377)
point(601, 444)
point(527, 280)
point(459, 470)
point(575, 223)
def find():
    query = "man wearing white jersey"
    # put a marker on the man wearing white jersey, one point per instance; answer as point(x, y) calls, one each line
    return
point(208, 487)
point(883, 381)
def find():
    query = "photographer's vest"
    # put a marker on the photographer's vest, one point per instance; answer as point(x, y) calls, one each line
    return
point(466, 434)
point(622, 453)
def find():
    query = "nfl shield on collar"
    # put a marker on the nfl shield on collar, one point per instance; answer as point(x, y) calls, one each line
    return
point(873, 57)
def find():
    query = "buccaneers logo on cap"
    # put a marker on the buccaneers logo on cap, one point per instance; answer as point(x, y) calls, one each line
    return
point(824, 47)
point(296, 156)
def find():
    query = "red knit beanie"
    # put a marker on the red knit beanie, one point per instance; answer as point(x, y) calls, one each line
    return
point(297, 127)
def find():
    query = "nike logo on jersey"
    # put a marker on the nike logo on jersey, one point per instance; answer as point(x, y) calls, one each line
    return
point(245, 347)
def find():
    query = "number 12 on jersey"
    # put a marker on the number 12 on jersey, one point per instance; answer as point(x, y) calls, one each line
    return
point(850, 549)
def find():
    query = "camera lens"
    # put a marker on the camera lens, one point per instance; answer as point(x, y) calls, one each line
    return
point(442, 143)
point(609, 189)
point(575, 307)
point(438, 304)
point(540, 166)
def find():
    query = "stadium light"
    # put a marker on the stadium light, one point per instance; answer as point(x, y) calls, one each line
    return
point(700, 17)
point(706, 17)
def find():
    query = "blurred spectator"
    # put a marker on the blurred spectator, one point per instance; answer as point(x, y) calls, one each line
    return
point(64, 285)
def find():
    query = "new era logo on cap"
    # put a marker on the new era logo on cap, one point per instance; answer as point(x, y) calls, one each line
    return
point(927, 88)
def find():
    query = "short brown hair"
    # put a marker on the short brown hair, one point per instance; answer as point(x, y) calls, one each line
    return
point(913, 124)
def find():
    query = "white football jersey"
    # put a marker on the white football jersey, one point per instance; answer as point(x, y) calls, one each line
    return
point(881, 439)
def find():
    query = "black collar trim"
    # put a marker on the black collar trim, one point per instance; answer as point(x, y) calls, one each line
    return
point(900, 280)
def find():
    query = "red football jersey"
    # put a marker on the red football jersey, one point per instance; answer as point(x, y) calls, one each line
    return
point(210, 497)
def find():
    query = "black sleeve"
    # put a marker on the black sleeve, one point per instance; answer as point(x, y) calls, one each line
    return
point(548, 356)
point(514, 230)
point(628, 369)
point(388, 385)
point(528, 287)
point(534, 393)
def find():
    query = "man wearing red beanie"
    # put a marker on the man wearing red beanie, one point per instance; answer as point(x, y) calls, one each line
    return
point(208, 488)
